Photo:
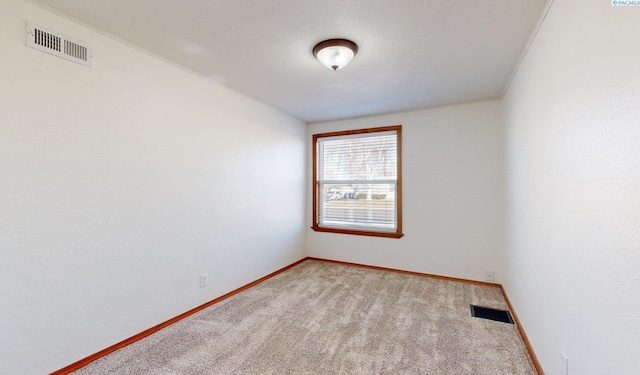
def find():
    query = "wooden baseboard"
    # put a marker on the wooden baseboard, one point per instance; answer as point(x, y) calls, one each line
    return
point(85, 361)
point(475, 282)
point(525, 339)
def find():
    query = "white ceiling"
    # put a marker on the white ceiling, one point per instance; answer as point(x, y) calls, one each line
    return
point(412, 53)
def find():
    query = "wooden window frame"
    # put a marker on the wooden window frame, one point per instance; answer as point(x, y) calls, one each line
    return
point(316, 184)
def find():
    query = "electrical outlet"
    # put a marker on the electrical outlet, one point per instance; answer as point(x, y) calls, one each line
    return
point(488, 276)
point(204, 279)
point(564, 364)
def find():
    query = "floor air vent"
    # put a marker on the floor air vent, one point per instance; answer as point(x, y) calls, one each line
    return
point(492, 314)
point(59, 45)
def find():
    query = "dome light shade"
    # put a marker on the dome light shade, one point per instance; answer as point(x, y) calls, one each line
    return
point(335, 53)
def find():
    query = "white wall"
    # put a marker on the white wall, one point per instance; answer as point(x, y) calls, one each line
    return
point(572, 117)
point(453, 211)
point(120, 184)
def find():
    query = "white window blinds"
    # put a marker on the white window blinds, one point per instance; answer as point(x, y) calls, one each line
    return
point(357, 181)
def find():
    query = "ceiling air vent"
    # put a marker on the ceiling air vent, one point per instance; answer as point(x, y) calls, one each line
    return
point(54, 43)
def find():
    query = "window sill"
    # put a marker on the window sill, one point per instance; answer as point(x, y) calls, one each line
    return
point(358, 232)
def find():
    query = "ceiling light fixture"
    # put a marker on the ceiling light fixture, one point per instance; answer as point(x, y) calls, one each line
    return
point(335, 53)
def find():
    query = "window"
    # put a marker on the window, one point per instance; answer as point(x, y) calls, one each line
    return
point(357, 182)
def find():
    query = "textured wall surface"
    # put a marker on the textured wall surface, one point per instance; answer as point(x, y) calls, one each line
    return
point(453, 212)
point(572, 117)
point(120, 184)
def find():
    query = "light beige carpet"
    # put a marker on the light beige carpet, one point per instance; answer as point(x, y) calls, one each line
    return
point(325, 318)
